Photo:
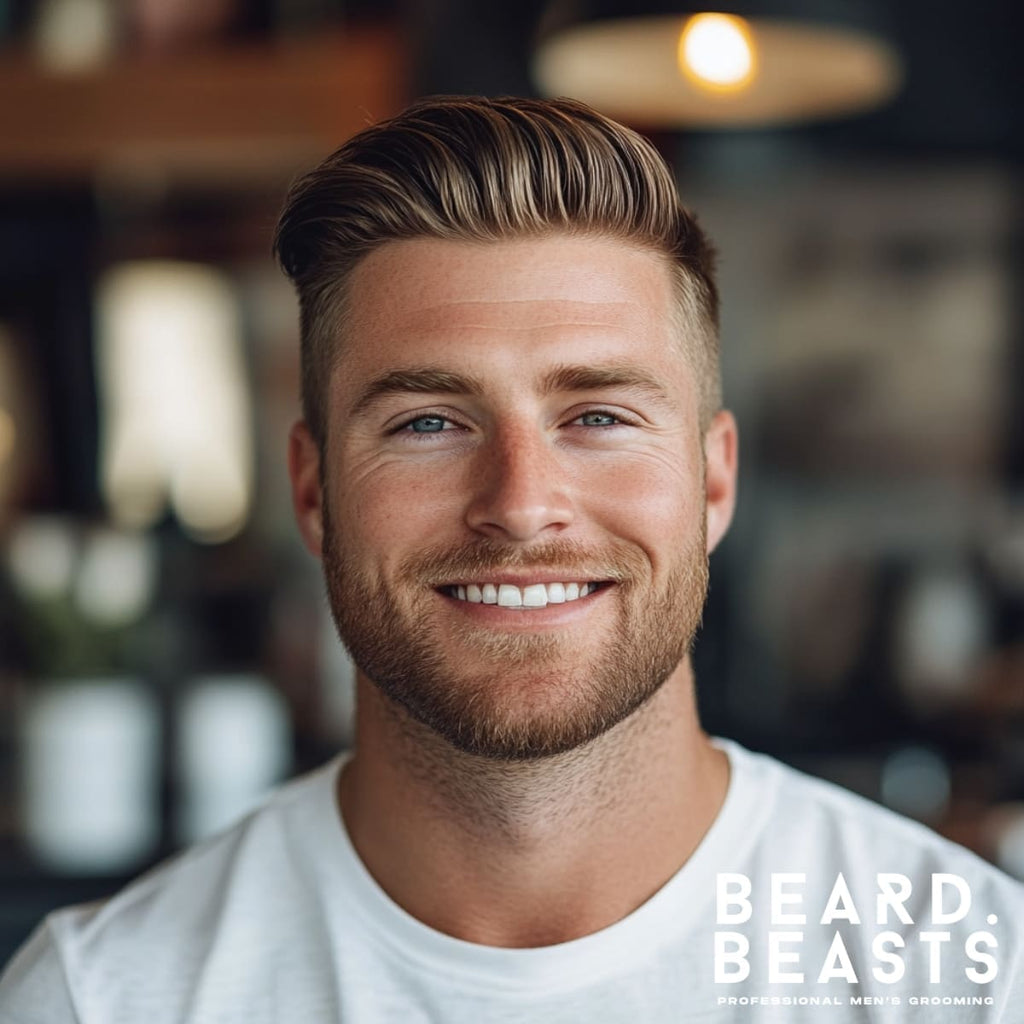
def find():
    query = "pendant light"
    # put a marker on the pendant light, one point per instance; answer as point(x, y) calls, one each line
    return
point(738, 65)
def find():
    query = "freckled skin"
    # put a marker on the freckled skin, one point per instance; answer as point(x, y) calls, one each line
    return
point(517, 479)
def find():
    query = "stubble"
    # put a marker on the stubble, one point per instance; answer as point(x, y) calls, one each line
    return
point(513, 695)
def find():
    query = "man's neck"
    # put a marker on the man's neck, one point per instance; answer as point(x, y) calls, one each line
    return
point(530, 853)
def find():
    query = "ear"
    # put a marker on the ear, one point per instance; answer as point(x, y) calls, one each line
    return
point(721, 458)
point(307, 496)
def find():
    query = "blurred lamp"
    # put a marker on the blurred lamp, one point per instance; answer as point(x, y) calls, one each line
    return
point(739, 65)
point(116, 577)
point(942, 631)
point(175, 400)
point(233, 745)
point(91, 775)
point(42, 555)
point(75, 35)
point(916, 782)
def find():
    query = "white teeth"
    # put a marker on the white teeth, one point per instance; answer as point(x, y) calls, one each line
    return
point(534, 595)
point(509, 596)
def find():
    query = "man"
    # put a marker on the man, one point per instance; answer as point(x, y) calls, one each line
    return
point(514, 463)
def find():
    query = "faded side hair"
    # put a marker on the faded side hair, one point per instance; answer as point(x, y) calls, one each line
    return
point(480, 169)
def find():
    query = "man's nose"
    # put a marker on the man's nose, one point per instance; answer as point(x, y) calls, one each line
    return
point(519, 488)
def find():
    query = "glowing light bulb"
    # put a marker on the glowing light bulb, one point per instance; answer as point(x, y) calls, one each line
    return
point(717, 52)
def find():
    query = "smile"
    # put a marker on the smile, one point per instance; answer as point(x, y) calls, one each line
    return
point(507, 595)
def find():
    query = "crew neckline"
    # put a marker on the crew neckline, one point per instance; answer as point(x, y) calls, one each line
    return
point(679, 904)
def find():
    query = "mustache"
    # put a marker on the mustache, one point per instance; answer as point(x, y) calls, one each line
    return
point(478, 558)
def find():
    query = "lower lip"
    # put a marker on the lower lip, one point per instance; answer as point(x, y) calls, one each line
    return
point(529, 618)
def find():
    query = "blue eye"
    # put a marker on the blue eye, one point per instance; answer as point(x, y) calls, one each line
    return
point(598, 419)
point(426, 425)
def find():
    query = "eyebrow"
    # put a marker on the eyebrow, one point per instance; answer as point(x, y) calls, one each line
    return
point(417, 380)
point(622, 376)
point(433, 380)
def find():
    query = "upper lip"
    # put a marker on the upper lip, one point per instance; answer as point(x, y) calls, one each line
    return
point(524, 579)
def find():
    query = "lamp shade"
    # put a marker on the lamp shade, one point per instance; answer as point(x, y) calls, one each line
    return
point(719, 68)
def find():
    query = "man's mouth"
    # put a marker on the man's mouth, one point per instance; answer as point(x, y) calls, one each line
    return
point(533, 595)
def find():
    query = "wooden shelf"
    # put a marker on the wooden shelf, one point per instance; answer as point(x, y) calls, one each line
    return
point(245, 114)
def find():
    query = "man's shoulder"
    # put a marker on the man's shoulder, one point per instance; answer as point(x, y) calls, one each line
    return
point(856, 894)
point(234, 888)
point(202, 879)
point(805, 818)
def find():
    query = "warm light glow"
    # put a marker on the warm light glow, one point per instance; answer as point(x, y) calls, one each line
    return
point(716, 52)
point(714, 71)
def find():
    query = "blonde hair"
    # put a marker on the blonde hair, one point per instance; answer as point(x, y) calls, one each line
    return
point(479, 169)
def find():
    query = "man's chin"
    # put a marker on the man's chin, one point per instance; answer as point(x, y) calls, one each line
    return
point(477, 649)
point(500, 737)
point(519, 712)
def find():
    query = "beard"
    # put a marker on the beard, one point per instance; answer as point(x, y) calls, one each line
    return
point(510, 695)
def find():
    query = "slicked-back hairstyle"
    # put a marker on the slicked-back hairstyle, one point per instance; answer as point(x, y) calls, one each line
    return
point(484, 170)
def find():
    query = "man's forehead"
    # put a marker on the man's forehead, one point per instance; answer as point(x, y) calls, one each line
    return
point(528, 282)
point(519, 315)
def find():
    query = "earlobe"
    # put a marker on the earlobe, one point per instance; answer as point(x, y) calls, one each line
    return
point(307, 495)
point(721, 460)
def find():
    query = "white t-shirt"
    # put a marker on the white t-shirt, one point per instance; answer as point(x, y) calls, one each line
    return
point(277, 920)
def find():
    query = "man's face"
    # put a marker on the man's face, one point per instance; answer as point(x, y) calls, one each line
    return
point(513, 516)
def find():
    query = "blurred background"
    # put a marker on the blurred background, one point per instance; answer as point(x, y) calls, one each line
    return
point(165, 649)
